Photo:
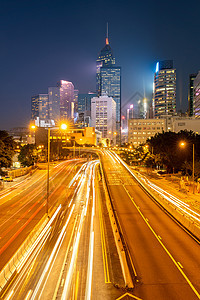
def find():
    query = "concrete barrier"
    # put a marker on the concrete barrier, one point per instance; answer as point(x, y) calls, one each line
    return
point(122, 249)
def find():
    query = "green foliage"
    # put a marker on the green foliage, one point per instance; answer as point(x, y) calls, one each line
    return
point(28, 155)
point(7, 146)
point(167, 151)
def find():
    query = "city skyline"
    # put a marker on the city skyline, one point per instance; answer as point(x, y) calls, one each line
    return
point(37, 53)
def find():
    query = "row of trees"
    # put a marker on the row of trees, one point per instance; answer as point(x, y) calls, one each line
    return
point(164, 151)
point(165, 148)
point(7, 150)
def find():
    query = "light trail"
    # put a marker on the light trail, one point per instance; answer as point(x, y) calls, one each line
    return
point(58, 242)
point(91, 245)
point(66, 290)
point(180, 205)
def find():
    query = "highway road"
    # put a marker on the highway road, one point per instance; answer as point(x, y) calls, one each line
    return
point(23, 206)
point(74, 256)
point(165, 257)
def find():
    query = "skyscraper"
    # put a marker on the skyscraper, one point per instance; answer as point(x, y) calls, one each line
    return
point(108, 80)
point(54, 103)
point(84, 103)
point(66, 99)
point(196, 94)
point(40, 107)
point(76, 92)
point(191, 94)
point(164, 98)
point(103, 116)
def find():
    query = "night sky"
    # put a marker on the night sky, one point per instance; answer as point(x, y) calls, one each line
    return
point(45, 41)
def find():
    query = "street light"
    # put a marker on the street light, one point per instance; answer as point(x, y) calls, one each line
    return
point(182, 144)
point(63, 126)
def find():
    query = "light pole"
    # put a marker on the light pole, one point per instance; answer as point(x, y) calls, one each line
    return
point(182, 144)
point(74, 149)
point(63, 127)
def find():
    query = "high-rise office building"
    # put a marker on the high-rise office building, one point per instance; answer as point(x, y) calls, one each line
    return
point(84, 103)
point(66, 99)
point(164, 98)
point(103, 116)
point(191, 94)
point(54, 103)
point(108, 80)
point(40, 107)
point(196, 107)
point(76, 92)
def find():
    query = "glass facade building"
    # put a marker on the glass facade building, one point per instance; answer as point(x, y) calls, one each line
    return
point(40, 107)
point(197, 96)
point(54, 104)
point(108, 81)
point(191, 94)
point(164, 99)
point(84, 102)
point(66, 99)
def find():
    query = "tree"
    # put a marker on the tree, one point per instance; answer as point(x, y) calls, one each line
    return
point(167, 145)
point(7, 146)
point(27, 155)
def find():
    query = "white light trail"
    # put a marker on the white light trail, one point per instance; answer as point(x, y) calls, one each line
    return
point(58, 242)
point(182, 206)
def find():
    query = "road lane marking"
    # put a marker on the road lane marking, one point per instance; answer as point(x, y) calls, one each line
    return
point(180, 264)
point(130, 295)
point(77, 283)
point(166, 250)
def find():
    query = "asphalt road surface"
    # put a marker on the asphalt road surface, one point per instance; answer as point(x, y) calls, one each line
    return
point(165, 257)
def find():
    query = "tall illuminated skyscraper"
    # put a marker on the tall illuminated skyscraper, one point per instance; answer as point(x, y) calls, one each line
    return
point(108, 80)
point(40, 107)
point(66, 99)
point(196, 93)
point(54, 104)
point(191, 94)
point(164, 98)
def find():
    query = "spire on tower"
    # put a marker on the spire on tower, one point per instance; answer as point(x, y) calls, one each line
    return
point(107, 42)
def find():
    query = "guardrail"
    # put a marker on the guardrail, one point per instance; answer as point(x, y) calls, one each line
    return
point(122, 248)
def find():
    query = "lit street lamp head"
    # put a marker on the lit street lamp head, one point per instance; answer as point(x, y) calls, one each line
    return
point(182, 144)
point(63, 126)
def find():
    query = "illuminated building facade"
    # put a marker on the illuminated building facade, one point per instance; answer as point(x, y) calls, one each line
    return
point(84, 102)
point(197, 96)
point(164, 97)
point(139, 130)
point(40, 107)
point(67, 103)
point(54, 103)
point(76, 92)
point(108, 80)
point(103, 116)
point(191, 94)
